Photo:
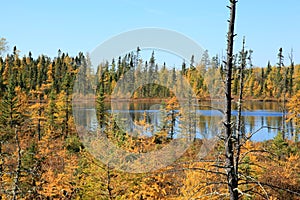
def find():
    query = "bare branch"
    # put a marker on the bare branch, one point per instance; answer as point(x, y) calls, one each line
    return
point(262, 127)
point(258, 183)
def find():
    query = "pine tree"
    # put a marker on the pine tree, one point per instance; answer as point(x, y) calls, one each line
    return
point(67, 87)
point(51, 110)
point(2, 86)
point(151, 74)
point(183, 68)
point(100, 108)
point(10, 111)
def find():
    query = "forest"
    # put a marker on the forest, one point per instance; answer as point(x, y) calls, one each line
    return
point(43, 157)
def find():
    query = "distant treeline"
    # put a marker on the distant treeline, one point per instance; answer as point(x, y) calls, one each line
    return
point(48, 75)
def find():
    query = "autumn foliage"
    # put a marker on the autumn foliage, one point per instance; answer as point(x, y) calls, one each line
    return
point(42, 157)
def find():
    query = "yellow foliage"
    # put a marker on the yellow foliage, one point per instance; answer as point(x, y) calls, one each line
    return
point(57, 179)
point(294, 108)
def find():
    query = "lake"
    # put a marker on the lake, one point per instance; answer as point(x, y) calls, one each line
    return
point(147, 117)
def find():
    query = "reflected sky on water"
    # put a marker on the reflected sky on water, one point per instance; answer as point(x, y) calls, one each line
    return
point(254, 116)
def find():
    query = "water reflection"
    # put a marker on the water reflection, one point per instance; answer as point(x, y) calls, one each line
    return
point(255, 116)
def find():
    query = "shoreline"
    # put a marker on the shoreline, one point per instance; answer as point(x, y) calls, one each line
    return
point(91, 99)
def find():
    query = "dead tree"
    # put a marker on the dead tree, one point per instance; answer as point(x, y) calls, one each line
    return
point(283, 86)
point(239, 135)
point(18, 168)
point(232, 177)
point(1, 167)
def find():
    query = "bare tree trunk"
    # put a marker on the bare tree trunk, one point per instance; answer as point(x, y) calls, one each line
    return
point(67, 114)
point(1, 168)
point(239, 134)
point(284, 105)
point(291, 73)
point(109, 188)
point(282, 83)
point(18, 169)
point(232, 178)
point(40, 115)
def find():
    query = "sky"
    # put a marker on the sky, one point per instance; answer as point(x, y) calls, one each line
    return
point(43, 27)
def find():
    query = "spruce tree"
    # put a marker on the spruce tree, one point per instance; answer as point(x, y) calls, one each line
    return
point(10, 111)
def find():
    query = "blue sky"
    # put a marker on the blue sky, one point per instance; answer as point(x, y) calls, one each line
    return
point(43, 27)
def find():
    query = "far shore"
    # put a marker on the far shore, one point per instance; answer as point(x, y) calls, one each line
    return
point(159, 100)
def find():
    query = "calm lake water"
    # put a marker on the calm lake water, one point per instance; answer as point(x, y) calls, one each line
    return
point(206, 121)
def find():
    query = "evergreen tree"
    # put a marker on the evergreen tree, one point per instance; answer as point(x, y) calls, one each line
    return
point(2, 86)
point(100, 108)
point(10, 111)
point(291, 75)
point(279, 76)
point(192, 63)
point(51, 109)
point(183, 68)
